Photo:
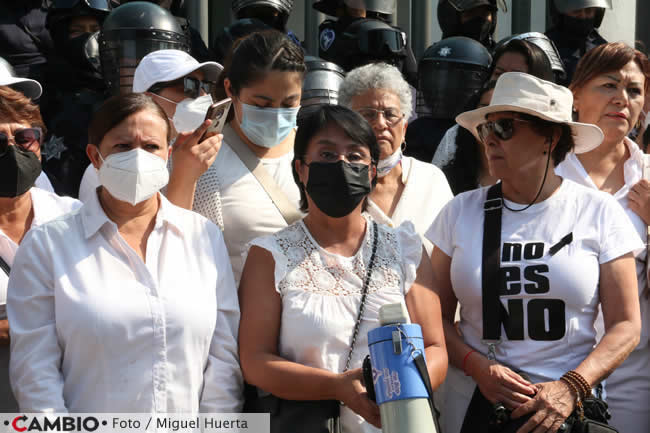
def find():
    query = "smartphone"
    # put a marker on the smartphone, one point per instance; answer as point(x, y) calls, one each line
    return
point(218, 112)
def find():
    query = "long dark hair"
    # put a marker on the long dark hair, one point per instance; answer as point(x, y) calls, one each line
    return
point(536, 59)
point(465, 167)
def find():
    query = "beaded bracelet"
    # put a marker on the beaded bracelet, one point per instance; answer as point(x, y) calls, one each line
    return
point(573, 387)
point(583, 384)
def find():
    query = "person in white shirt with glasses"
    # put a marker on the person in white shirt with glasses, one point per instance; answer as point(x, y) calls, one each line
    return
point(128, 304)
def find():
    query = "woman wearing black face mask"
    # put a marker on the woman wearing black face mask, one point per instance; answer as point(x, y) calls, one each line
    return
point(301, 288)
point(21, 205)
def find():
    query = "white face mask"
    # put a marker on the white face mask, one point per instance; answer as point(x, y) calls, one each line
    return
point(384, 166)
point(190, 113)
point(133, 176)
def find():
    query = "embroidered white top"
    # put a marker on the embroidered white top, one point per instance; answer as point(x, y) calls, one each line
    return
point(321, 294)
point(94, 328)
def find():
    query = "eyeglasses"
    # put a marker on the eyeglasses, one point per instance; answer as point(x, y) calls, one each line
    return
point(24, 139)
point(191, 86)
point(350, 157)
point(392, 115)
point(502, 128)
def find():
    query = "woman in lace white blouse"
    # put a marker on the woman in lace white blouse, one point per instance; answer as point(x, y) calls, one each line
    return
point(301, 288)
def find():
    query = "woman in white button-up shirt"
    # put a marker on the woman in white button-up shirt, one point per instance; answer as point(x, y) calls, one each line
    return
point(127, 305)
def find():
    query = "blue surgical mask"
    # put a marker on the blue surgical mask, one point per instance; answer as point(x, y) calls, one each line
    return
point(267, 127)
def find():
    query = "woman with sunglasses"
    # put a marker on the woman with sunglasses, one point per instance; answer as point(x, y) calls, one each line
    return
point(128, 304)
point(609, 86)
point(407, 189)
point(183, 87)
point(530, 278)
point(22, 206)
point(302, 289)
point(249, 190)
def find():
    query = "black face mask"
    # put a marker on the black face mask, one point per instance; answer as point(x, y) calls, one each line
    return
point(478, 29)
point(337, 188)
point(18, 171)
point(578, 27)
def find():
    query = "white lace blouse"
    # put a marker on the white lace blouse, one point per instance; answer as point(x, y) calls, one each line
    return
point(321, 294)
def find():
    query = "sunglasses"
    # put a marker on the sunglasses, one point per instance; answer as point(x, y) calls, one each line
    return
point(24, 139)
point(503, 129)
point(191, 86)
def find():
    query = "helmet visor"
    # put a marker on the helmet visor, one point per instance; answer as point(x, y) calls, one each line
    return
point(98, 5)
point(448, 90)
point(378, 40)
point(564, 6)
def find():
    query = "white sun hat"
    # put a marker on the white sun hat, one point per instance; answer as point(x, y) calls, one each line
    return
point(168, 65)
point(30, 88)
point(524, 93)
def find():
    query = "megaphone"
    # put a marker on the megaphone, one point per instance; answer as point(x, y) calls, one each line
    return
point(399, 375)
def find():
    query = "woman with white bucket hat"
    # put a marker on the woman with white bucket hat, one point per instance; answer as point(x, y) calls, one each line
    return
point(529, 287)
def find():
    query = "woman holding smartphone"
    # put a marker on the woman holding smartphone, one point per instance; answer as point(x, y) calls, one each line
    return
point(263, 76)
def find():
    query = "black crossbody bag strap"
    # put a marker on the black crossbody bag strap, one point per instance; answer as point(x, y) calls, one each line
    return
point(491, 264)
point(4, 266)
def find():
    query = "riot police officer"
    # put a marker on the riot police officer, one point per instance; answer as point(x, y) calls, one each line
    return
point(449, 74)
point(274, 13)
point(75, 89)
point(129, 33)
point(240, 28)
point(476, 19)
point(574, 29)
point(320, 86)
point(198, 49)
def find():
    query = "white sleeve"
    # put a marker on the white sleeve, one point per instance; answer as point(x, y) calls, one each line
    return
point(36, 355)
point(617, 233)
point(446, 149)
point(223, 383)
point(281, 265)
point(411, 252)
point(442, 231)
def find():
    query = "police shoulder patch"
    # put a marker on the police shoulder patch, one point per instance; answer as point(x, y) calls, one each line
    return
point(327, 37)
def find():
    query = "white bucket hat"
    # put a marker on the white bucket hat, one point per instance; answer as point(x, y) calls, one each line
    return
point(169, 65)
point(524, 93)
point(30, 88)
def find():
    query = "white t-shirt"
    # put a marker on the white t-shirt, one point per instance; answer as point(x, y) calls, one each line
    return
point(426, 191)
point(321, 294)
point(47, 206)
point(552, 300)
point(229, 195)
point(571, 168)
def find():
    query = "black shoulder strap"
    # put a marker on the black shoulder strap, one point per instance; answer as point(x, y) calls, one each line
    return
point(4, 266)
point(421, 366)
point(491, 264)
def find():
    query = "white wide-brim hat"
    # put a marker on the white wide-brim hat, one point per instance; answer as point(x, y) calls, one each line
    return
point(524, 93)
point(30, 88)
point(168, 65)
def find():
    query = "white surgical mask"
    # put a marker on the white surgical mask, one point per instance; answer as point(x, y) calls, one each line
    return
point(267, 127)
point(133, 176)
point(190, 113)
point(384, 166)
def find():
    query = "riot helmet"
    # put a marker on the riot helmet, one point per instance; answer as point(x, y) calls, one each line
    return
point(449, 74)
point(131, 32)
point(367, 41)
point(478, 28)
point(274, 13)
point(176, 7)
point(61, 12)
point(227, 37)
point(321, 84)
point(559, 9)
point(545, 44)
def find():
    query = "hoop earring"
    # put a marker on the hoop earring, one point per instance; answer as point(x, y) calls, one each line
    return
point(403, 146)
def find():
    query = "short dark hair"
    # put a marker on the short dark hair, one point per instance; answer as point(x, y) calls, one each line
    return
point(117, 108)
point(546, 128)
point(350, 122)
point(536, 59)
point(258, 53)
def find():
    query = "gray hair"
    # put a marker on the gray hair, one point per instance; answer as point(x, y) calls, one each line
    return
point(376, 76)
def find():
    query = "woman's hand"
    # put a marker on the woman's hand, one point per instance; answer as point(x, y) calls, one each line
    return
point(353, 393)
point(193, 154)
point(552, 405)
point(639, 200)
point(4, 332)
point(498, 383)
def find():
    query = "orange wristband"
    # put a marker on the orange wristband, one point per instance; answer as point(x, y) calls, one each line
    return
point(465, 360)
